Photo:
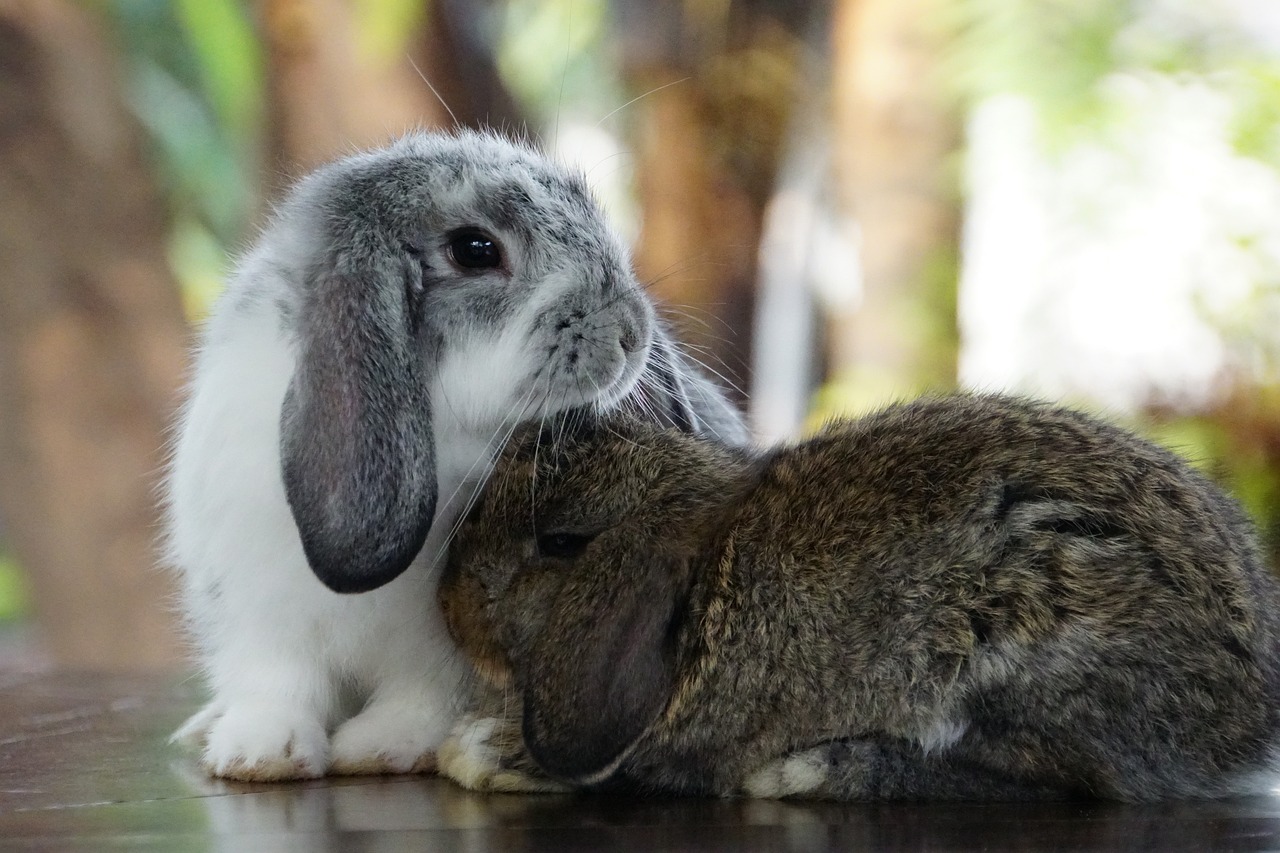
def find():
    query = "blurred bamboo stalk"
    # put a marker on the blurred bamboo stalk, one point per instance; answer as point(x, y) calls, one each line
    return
point(715, 84)
point(895, 167)
point(700, 229)
point(329, 95)
point(324, 98)
point(91, 343)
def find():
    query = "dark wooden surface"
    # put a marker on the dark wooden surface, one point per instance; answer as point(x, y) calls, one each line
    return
point(84, 765)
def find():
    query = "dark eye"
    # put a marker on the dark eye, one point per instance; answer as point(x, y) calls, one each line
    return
point(564, 546)
point(474, 250)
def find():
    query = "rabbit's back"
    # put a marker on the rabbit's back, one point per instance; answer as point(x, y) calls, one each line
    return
point(1058, 499)
point(1016, 585)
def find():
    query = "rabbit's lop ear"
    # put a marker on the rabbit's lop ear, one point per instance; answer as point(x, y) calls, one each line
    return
point(605, 667)
point(668, 386)
point(356, 445)
point(682, 398)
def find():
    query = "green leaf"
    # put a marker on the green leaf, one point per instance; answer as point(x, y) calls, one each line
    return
point(230, 61)
point(15, 597)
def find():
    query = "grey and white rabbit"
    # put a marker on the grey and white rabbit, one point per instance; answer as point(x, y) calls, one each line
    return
point(401, 312)
point(967, 597)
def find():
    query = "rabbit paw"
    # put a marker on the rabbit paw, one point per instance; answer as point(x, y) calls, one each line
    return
point(258, 742)
point(796, 774)
point(848, 769)
point(386, 739)
point(486, 754)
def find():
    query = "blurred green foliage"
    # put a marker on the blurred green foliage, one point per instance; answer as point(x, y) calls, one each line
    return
point(1238, 445)
point(384, 26)
point(194, 78)
point(550, 55)
point(1054, 52)
point(1062, 56)
point(1059, 54)
point(15, 598)
point(1256, 89)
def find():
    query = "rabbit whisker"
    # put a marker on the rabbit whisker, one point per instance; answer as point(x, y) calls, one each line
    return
point(640, 397)
point(679, 267)
point(692, 353)
point(606, 305)
point(641, 97)
point(500, 436)
point(615, 155)
point(564, 73)
point(699, 317)
point(434, 91)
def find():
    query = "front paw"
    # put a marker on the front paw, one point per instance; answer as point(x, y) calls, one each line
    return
point(386, 739)
point(258, 742)
point(487, 754)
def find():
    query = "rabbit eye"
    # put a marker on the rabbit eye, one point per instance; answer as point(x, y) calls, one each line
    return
point(563, 546)
point(474, 250)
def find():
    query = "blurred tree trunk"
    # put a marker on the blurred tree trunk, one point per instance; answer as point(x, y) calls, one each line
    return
point(700, 230)
point(324, 99)
point(328, 94)
point(92, 343)
point(896, 140)
point(715, 84)
point(453, 54)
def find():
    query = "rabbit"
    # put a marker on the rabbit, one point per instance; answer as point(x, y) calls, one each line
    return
point(402, 310)
point(967, 597)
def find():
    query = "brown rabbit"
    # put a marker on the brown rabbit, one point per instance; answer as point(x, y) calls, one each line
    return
point(971, 597)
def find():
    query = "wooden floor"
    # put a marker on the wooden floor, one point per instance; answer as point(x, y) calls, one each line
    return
point(84, 765)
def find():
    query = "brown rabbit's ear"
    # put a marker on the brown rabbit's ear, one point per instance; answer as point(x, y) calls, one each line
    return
point(605, 666)
point(357, 451)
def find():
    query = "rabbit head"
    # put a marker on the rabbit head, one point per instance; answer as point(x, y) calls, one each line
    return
point(562, 576)
point(447, 278)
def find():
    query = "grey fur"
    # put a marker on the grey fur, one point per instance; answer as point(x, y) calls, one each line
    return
point(379, 303)
point(971, 597)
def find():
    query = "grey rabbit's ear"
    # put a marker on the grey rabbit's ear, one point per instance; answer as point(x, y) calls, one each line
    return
point(605, 667)
point(682, 397)
point(357, 451)
point(672, 390)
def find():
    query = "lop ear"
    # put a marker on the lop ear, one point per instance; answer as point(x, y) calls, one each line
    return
point(605, 666)
point(669, 368)
point(684, 398)
point(357, 452)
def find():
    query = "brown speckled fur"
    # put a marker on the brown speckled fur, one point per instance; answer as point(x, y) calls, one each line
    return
point(965, 597)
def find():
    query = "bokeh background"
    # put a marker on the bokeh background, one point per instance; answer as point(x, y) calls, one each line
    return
point(840, 203)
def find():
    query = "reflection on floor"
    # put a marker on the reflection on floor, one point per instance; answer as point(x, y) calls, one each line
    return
point(84, 765)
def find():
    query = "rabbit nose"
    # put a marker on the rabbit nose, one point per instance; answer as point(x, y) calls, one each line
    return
point(629, 340)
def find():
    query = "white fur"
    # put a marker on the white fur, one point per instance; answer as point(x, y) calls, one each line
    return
point(793, 775)
point(276, 643)
point(467, 757)
point(942, 734)
point(282, 653)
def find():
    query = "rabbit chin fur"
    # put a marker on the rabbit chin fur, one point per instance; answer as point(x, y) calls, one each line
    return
point(288, 659)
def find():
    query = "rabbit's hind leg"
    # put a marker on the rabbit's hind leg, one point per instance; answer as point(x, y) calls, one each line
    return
point(876, 769)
